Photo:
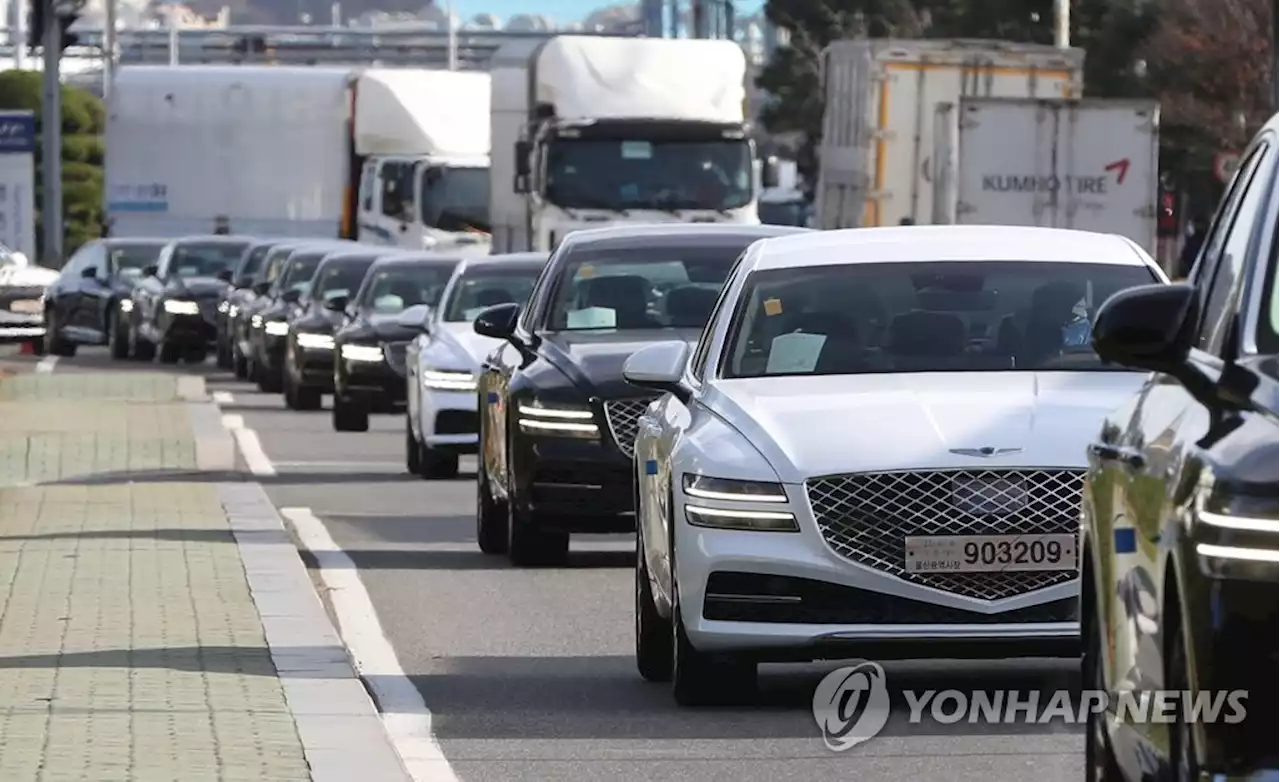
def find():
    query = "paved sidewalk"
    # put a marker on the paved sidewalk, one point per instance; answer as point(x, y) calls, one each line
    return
point(134, 592)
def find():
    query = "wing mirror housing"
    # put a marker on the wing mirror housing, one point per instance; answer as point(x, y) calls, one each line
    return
point(225, 275)
point(659, 367)
point(417, 317)
point(291, 296)
point(261, 288)
point(498, 322)
point(89, 272)
point(336, 304)
point(523, 150)
point(150, 270)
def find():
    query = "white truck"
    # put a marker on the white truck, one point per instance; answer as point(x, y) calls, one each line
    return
point(881, 97)
point(1089, 164)
point(396, 157)
point(591, 131)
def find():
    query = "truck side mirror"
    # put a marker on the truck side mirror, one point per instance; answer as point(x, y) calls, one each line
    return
point(523, 151)
point(769, 172)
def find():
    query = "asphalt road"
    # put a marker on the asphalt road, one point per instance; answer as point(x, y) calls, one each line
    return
point(528, 674)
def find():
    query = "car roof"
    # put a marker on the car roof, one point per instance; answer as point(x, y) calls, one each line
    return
point(506, 261)
point(918, 243)
point(669, 234)
point(414, 259)
point(353, 255)
point(117, 240)
point(214, 239)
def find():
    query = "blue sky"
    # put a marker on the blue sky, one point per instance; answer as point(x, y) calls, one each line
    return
point(559, 10)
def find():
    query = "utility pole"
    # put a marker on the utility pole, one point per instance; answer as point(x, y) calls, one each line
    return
point(1062, 23)
point(109, 48)
point(51, 137)
point(453, 36)
point(18, 38)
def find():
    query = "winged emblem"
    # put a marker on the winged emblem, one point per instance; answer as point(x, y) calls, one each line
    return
point(985, 451)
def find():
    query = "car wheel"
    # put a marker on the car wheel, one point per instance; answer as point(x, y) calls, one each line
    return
point(169, 353)
point(37, 346)
point(530, 546)
point(491, 516)
point(195, 355)
point(307, 398)
point(1182, 743)
point(290, 392)
point(139, 347)
point(436, 464)
point(269, 380)
point(412, 453)
point(1099, 761)
point(239, 364)
point(57, 346)
point(349, 415)
point(117, 337)
point(653, 632)
point(699, 678)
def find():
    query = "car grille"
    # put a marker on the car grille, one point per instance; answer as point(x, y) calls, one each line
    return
point(395, 352)
point(623, 416)
point(867, 517)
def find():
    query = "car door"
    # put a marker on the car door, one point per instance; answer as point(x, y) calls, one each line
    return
point(1168, 427)
point(63, 296)
point(95, 294)
point(147, 294)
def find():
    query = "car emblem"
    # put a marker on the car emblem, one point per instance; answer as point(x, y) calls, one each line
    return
point(985, 451)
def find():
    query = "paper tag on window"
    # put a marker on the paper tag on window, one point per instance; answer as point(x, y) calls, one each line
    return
point(791, 353)
point(388, 304)
point(592, 318)
point(586, 272)
point(772, 307)
point(636, 150)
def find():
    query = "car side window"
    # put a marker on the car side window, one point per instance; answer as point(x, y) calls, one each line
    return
point(1204, 266)
point(698, 365)
point(529, 314)
point(77, 261)
point(1237, 231)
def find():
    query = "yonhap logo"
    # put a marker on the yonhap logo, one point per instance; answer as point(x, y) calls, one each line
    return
point(851, 705)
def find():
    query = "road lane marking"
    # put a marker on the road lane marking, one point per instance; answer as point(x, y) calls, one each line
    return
point(404, 714)
point(223, 398)
point(46, 364)
point(250, 445)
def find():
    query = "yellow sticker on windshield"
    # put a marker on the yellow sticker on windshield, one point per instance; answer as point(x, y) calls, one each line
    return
point(772, 307)
point(587, 272)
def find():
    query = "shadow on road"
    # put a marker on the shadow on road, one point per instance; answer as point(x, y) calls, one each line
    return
point(247, 660)
point(201, 476)
point(429, 559)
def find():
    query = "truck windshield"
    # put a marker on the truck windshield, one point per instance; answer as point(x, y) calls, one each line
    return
point(456, 199)
point(665, 175)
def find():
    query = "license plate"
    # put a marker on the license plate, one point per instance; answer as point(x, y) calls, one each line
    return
point(27, 306)
point(990, 553)
point(983, 496)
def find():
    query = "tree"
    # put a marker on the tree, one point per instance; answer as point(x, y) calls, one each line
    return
point(83, 121)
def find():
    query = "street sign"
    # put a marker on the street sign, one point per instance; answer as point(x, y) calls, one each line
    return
point(18, 182)
point(1225, 165)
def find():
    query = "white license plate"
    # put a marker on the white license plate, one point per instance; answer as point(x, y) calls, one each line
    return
point(990, 553)
point(28, 306)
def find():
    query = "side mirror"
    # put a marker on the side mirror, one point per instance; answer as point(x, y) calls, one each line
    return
point(225, 275)
point(769, 172)
point(150, 270)
point(1149, 327)
point(417, 317)
point(336, 304)
point(243, 282)
point(523, 151)
point(659, 367)
point(291, 296)
point(498, 322)
point(261, 288)
point(89, 272)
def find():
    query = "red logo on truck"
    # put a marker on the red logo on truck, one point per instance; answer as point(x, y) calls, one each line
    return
point(1121, 167)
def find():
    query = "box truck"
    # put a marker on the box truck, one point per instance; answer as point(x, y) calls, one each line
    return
point(396, 157)
point(881, 97)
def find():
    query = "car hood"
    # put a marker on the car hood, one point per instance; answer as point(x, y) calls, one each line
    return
point(27, 276)
point(593, 360)
point(387, 329)
point(810, 426)
point(199, 286)
point(462, 344)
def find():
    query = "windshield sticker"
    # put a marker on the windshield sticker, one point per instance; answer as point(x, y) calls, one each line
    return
point(791, 353)
point(636, 150)
point(586, 272)
point(592, 318)
point(188, 271)
point(389, 303)
point(772, 307)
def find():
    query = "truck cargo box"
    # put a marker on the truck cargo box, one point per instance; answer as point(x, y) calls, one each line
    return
point(422, 112)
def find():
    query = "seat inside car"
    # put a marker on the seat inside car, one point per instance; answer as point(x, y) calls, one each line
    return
point(921, 334)
point(626, 294)
point(1051, 307)
point(842, 351)
point(689, 306)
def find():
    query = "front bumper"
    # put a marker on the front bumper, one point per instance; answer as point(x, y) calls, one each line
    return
point(192, 330)
point(373, 382)
point(311, 367)
point(271, 351)
point(787, 596)
point(15, 332)
point(573, 485)
point(450, 421)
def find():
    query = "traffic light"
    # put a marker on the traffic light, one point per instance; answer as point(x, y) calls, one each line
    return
point(36, 22)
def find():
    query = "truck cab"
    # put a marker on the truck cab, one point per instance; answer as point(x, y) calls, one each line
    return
point(421, 203)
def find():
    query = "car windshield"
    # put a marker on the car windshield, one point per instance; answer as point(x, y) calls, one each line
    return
point(300, 270)
point(254, 262)
point(1269, 323)
point(456, 199)
point(197, 259)
point(273, 265)
point(475, 292)
point(641, 288)
point(128, 260)
point(393, 290)
point(339, 279)
point(664, 175)
point(966, 316)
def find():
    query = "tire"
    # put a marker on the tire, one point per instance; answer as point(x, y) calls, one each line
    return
point(195, 355)
point(1183, 761)
point(169, 353)
point(117, 337)
point(54, 343)
point(491, 516)
point(349, 416)
point(1099, 760)
point(37, 346)
point(653, 632)
point(412, 451)
point(239, 364)
point(139, 348)
point(290, 393)
point(698, 678)
point(434, 464)
point(269, 380)
point(307, 397)
point(223, 355)
point(530, 546)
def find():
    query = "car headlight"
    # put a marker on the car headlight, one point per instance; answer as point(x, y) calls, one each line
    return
point(224, 307)
point(732, 518)
point(315, 341)
point(559, 421)
point(277, 328)
point(707, 488)
point(448, 380)
point(256, 321)
point(232, 310)
point(366, 353)
point(126, 305)
point(180, 307)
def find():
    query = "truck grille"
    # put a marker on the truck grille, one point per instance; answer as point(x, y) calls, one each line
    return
point(623, 416)
point(395, 352)
point(867, 517)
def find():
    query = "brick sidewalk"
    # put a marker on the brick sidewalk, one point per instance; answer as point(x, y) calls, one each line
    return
point(131, 647)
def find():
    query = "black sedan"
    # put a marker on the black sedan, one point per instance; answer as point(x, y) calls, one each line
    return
point(557, 420)
point(234, 298)
point(269, 325)
point(251, 303)
point(308, 364)
point(174, 304)
point(369, 349)
point(84, 305)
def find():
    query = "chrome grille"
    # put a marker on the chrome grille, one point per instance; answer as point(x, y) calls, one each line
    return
point(395, 352)
point(867, 517)
point(623, 416)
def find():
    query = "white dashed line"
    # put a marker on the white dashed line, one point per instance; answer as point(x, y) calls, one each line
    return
point(47, 364)
point(250, 446)
point(223, 397)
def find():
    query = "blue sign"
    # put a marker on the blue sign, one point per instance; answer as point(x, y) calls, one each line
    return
point(17, 132)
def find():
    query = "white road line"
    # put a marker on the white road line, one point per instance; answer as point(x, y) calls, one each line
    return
point(47, 364)
point(223, 398)
point(250, 446)
point(404, 714)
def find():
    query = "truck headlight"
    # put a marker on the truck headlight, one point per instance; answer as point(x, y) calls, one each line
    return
point(562, 421)
point(277, 328)
point(448, 380)
point(180, 307)
point(362, 353)
point(315, 341)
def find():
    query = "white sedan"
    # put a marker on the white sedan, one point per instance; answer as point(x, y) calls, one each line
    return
point(876, 451)
point(442, 363)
